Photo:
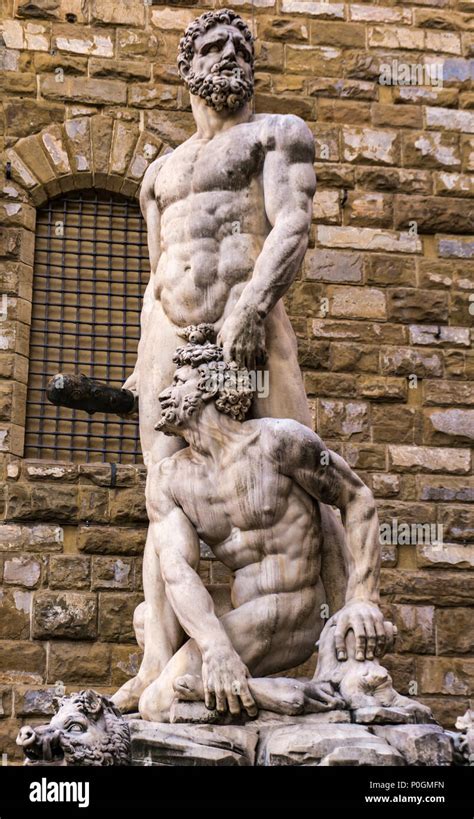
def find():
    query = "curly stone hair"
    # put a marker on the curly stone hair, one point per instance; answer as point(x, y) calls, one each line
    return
point(227, 385)
point(200, 26)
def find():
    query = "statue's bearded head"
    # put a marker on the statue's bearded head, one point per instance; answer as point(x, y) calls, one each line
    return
point(216, 59)
point(202, 376)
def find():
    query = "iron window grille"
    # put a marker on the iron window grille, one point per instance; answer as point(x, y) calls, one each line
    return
point(91, 261)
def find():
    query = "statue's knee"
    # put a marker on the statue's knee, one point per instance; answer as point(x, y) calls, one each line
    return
point(148, 706)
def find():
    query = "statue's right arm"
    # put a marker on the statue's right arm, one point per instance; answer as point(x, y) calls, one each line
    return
point(177, 545)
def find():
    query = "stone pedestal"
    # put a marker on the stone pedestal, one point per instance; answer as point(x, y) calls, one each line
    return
point(316, 739)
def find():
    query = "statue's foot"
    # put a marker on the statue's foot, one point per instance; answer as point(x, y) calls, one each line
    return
point(320, 697)
point(189, 687)
point(128, 696)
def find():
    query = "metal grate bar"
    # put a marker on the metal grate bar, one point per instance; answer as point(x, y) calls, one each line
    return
point(105, 302)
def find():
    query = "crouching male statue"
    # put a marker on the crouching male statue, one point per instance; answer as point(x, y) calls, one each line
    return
point(249, 489)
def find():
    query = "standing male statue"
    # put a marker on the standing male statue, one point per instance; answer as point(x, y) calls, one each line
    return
point(228, 214)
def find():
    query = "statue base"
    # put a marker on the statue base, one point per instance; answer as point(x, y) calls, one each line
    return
point(370, 737)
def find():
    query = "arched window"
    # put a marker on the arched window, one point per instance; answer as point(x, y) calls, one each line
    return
point(90, 270)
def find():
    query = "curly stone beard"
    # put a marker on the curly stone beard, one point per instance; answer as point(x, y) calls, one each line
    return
point(219, 90)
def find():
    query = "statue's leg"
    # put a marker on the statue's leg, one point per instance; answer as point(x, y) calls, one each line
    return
point(286, 394)
point(156, 624)
point(270, 634)
point(287, 399)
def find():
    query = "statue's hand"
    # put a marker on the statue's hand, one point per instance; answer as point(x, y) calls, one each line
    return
point(242, 337)
point(373, 634)
point(224, 677)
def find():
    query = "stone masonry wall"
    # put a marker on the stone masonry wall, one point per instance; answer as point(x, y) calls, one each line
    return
point(383, 310)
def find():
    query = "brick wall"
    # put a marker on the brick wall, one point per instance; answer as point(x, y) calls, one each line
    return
point(381, 309)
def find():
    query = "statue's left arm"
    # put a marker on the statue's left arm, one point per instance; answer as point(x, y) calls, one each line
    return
point(289, 183)
point(327, 477)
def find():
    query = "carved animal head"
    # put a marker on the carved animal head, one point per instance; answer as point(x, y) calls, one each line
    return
point(87, 729)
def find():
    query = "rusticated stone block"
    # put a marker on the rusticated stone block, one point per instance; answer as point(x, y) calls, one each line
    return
point(41, 471)
point(85, 89)
point(127, 12)
point(445, 556)
point(112, 573)
point(22, 662)
point(436, 335)
point(446, 675)
point(392, 423)
point(5, 701)
point(125, 662)
point(440, 588)
point(406, 361)
point(24, 570)
point(385, 486)
point(365, 456)
point(69, 572)
point(370, 145)
point(15, 608)
point(128, 505)
point(114, 540)
point(458, 522)
point(416, 628)
point(433, 214)
point(93, 504)
point(34, 702)
point(424, 149)
point(429, 459)
point(97, 42)
point(41, 502)
point(449, 426)
point(455, 631)
point(446, 489)
point(116, 616)
point(68, 615)
point(348, 357)
point(425, 745)
point(84, 663)
point(411, 305)
point(443, 393)
point(343, 420)
point(378, 388)
point(368, 239)
point(333, 266)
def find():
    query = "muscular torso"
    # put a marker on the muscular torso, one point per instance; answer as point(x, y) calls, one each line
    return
point(212, 222)
point(258, 522)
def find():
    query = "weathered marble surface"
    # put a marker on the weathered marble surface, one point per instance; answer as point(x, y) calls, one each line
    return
point(307, 741)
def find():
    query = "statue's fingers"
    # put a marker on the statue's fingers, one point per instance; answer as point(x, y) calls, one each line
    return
point(340, 639)
point(209, 699)
point(371, 637)
point(360, 638)
point(391, 632)
point(221, 702)
point(233, 702)
point(381, 638)
point(248, 701)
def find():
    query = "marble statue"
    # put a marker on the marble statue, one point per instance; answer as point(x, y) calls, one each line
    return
point(228, 214)
point(87, 730)
point(248, 489)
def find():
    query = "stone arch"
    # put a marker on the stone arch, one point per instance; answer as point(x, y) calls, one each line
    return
point(96, 151)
